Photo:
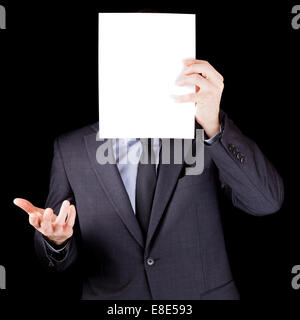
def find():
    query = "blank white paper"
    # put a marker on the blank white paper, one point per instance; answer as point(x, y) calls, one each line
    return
point(140, 59)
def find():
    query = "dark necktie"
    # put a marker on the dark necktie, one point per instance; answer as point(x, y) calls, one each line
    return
point(145, 186)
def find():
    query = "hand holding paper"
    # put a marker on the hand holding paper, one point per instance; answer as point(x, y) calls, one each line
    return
point(209, 87)
point(140, 58)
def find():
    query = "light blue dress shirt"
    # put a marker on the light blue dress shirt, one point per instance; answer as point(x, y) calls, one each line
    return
point(127, 154)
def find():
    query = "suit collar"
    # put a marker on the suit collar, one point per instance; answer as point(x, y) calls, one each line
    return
point(95, 127)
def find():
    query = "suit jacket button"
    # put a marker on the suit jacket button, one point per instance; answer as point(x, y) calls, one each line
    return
point(150, 262)
point(238, 156)
point(230, 147)
point(242, 159)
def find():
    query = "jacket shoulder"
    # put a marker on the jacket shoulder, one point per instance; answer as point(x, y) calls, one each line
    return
point(75, 137)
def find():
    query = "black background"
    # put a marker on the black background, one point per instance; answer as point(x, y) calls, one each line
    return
point(49, 86)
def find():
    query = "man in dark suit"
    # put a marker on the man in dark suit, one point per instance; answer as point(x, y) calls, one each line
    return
point(148, 231)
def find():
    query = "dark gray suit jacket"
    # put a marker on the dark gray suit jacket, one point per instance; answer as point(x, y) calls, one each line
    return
point(185, 238)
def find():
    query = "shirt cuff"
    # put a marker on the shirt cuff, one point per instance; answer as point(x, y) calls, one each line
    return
point(213, 139)
point(54, 248)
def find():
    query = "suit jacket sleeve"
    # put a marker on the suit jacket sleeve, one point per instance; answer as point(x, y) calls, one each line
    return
point(59, 191)
point(250, 180)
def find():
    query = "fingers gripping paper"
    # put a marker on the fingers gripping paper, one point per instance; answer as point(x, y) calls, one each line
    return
point(140, 59)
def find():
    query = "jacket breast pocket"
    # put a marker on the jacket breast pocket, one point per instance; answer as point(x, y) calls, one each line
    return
point(191, 180)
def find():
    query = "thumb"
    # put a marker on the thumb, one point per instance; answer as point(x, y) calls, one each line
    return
point(71, 216)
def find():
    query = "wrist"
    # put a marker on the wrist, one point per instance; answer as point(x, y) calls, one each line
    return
point(212, 130)
point(56, 243)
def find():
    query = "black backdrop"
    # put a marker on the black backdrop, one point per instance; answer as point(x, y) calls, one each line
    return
point(49, 86)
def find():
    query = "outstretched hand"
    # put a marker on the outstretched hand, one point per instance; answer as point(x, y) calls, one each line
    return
point(57, 228)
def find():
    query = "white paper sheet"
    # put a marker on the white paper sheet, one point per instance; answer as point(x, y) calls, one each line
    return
point(140, 59)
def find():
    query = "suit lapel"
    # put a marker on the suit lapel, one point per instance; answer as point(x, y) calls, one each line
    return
point(166, 181)
point(110, 180)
